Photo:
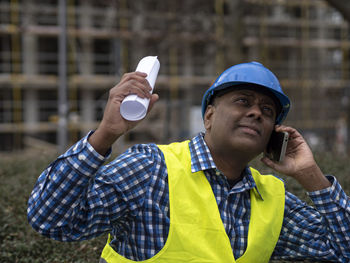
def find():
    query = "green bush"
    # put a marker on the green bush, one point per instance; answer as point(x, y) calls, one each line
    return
point(19, 243)
point(329, 164)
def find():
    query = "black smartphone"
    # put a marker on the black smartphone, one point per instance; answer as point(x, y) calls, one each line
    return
point(277, 145)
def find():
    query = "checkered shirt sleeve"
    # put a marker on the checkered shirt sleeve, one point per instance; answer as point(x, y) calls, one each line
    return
point(78, 197)
point(319, 232)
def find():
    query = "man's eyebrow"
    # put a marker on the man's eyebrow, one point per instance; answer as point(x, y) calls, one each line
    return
point(270, 101)
point(244, 92)
point(266, 99)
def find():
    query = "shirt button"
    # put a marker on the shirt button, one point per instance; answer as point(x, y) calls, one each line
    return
point(81, 157)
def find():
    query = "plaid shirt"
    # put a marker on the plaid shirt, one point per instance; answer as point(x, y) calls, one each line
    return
point(78, 197)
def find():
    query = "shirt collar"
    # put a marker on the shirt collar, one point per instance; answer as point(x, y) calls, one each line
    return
point(202, 160)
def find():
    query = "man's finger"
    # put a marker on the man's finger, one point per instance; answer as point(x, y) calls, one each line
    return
point(154, 99)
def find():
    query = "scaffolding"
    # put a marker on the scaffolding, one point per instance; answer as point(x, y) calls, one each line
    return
point(306, 43)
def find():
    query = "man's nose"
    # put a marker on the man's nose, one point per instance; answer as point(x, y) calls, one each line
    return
point(255, 111)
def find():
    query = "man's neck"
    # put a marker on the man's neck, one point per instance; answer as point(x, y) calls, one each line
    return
point(230, 162)
point(229, 167)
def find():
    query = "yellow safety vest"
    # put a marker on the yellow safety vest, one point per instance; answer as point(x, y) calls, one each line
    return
point(196, 232)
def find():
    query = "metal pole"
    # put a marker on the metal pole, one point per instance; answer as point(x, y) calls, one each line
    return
point(62, 133)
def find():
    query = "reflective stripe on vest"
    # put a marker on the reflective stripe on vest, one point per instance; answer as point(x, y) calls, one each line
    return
point(196, 232)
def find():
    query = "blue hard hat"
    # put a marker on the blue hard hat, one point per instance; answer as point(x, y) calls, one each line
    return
point(249, 73)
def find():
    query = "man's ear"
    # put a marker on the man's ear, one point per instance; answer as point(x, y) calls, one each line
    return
point(208, 116)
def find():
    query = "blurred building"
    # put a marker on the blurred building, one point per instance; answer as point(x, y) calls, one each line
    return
point(306, 43)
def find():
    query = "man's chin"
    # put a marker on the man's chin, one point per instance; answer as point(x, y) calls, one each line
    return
point(248, 145)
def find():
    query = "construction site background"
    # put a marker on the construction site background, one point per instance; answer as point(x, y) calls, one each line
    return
point(304, 42)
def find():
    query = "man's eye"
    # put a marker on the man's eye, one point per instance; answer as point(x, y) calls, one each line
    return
point(268, 110)
point(242, 100)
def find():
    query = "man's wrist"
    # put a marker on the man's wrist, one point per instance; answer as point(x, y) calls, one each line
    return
point(312, 179)
point(102, 141)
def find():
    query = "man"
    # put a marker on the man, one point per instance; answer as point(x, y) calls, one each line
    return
point(198, 200)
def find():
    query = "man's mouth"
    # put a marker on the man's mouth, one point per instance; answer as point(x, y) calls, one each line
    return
point(250, 129)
